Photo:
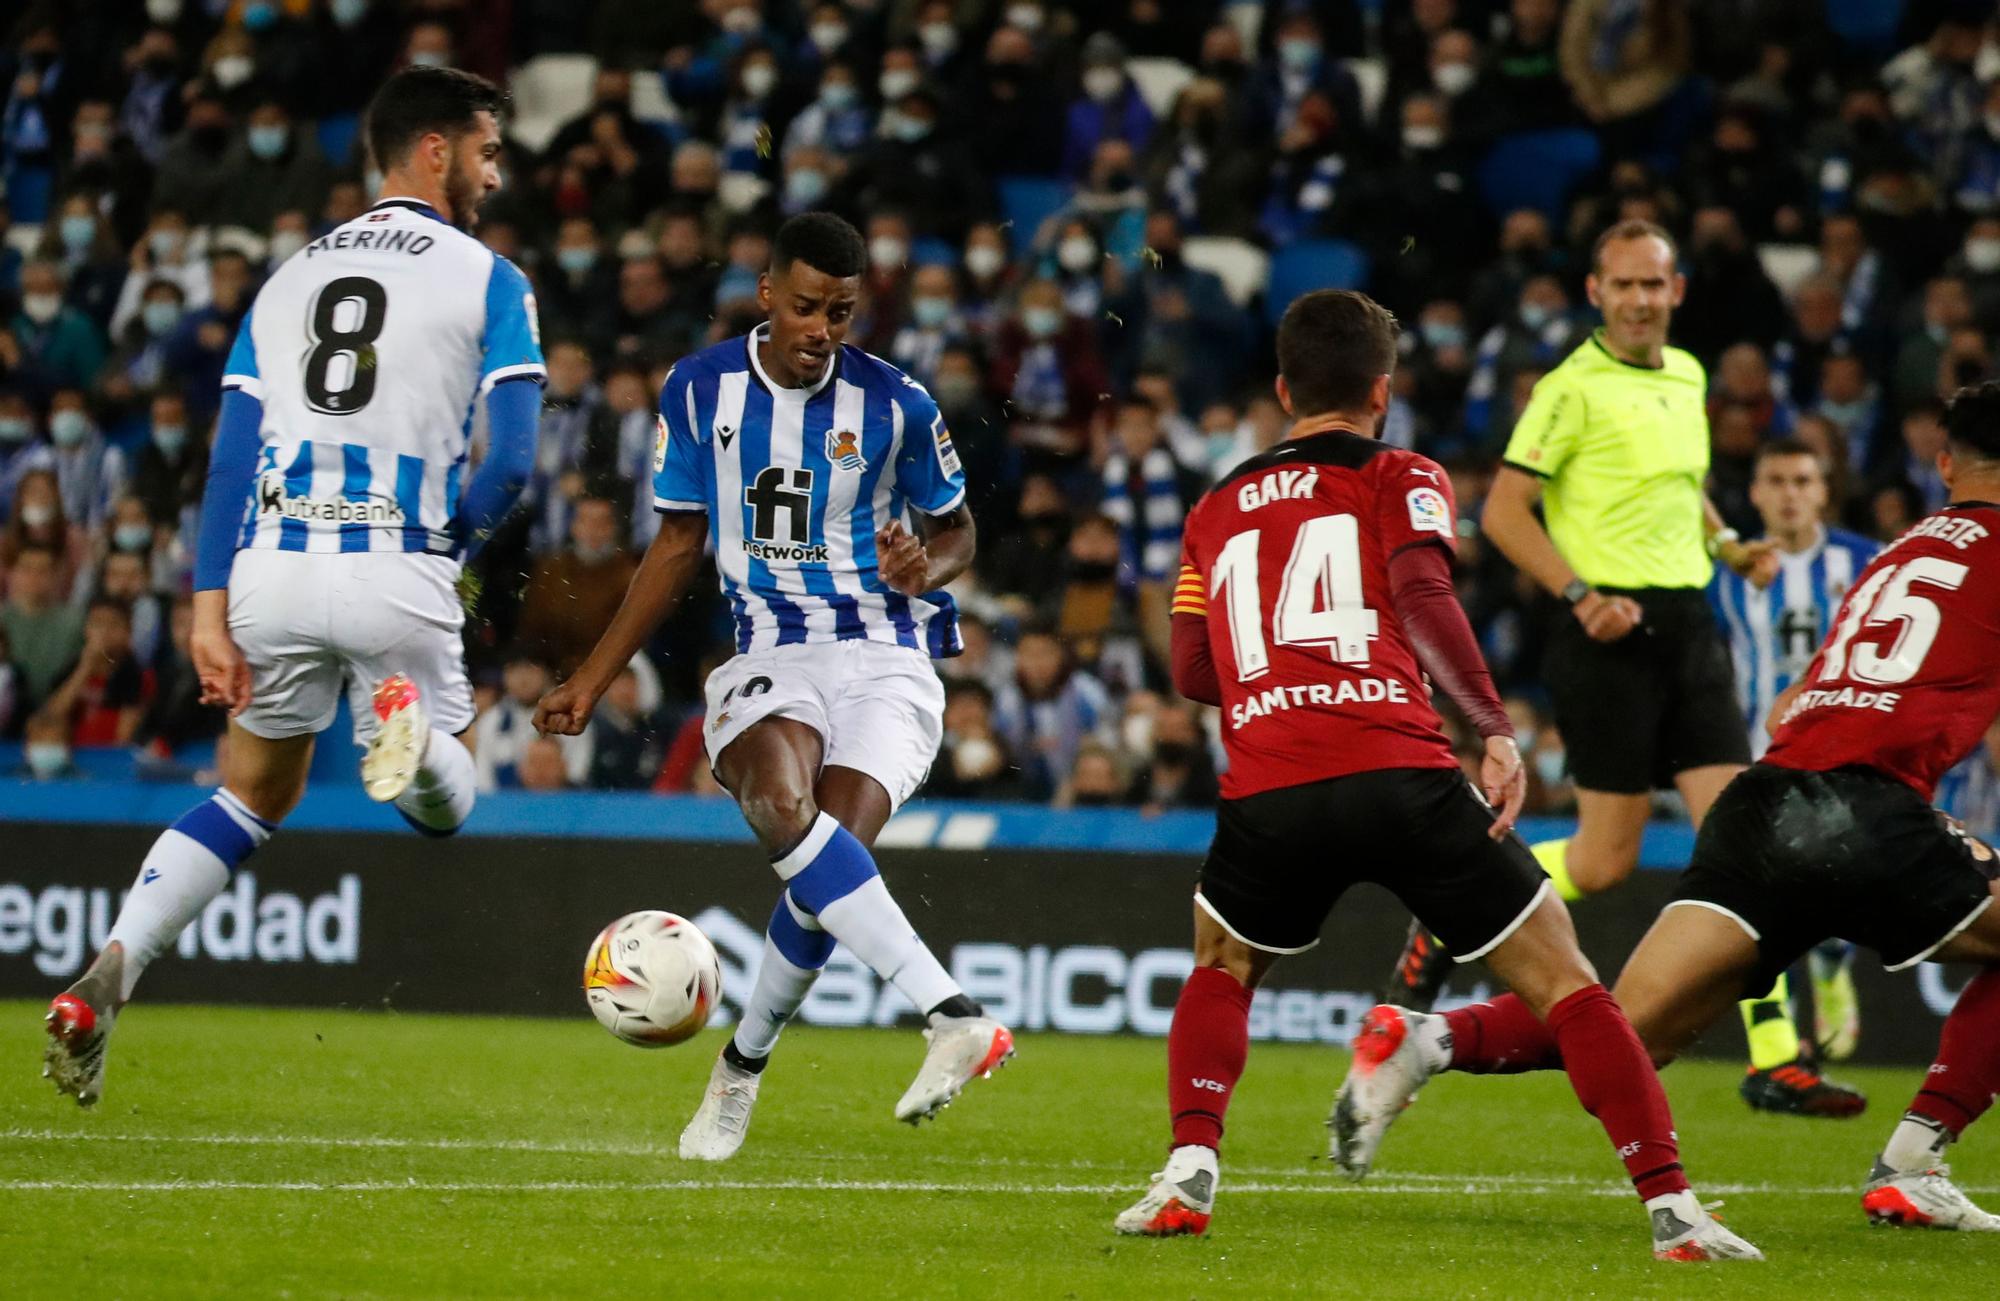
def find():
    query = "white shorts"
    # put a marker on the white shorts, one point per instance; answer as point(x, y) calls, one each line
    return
point(878, 708)
point(308, 621)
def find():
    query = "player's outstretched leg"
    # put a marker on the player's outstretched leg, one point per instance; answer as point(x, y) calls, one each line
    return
point(1910, 1186)
point(1583, 1032)
point(426, 773)
point(188, 865)
point(795, 949)
point(1782, 1077)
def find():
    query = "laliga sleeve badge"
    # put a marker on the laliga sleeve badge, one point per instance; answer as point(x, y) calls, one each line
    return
point(660, 447)
point(843, 449)
point(1428, 512)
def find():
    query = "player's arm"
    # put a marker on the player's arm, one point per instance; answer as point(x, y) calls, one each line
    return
point(1192, 657)
point(664, 573)
point(914, 566)
point(513, 417)
point(1427, 606)
point(232, 464)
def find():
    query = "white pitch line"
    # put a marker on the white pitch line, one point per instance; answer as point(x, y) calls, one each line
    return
point(1455, 1188)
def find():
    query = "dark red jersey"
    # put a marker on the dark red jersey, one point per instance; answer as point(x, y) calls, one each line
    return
point(1288, 561)
point(1909, 678)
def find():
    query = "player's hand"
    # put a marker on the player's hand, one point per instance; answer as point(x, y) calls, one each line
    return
point(1607, 618)
point(220, 666)
point(566, 710)
point(904, 563)
point(1755, 561)
point(1505, 781)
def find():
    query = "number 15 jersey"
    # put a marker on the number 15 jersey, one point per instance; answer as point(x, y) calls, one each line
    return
point(1288, 560)
point(368, 348)
point(1909, 677)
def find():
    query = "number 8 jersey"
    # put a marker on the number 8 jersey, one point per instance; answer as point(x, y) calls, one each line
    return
point(1909, 677)
point(368, 348)
point(1288, 561)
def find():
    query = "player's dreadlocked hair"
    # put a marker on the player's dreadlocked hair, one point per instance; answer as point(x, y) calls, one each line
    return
point(822, 241)
point(1972, 421)
point(419, 100)
point(1333, 344)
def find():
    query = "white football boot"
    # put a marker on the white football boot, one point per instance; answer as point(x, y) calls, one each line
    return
point(1925, 1200)
point(1389, 1067)
point(79, 1028)
point(963, 1049)
point(1684, 1231)
point(402, 735)
point(723, 1118)
point(1181, 1199)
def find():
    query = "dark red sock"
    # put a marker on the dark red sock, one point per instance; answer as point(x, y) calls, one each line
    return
point(1615, 1081)
point(1960, 1085)
point(1206, 1048)
point(1500, 1038)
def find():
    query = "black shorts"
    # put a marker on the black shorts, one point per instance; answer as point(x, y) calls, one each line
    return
point(1795, 857)
point(1281, 859)
point(1636, 712)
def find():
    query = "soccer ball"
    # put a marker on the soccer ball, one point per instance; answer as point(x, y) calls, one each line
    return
point(652, 978)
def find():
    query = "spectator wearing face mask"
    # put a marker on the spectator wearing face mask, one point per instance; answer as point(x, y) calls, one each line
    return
point(1089, 605)
point(1977, 263)
point(1046, 363)
point(572, 594)
point(195, 169)
point(38, 520)
point(1540, 332)
point(921, 166)
point(125, 577)
point(169, 471)
point(1049, 711)
point(1177, 770)
point(972, 762)
point(932, 324)
point(503, 733)
point(106, 692)
point(45, 756)
point(838, 120)
point(60, 347)
point(1025, 562)
point(1729, 296)
point(1017, 125)
point(80, 241)
point(201, 343)
point(150, 111)
point(576, 283)
point(1109, 108)
point(20, 451)
point(89, 472)
point(991, 277)
point(274, 167)
point(626, 742)
point(168, 252)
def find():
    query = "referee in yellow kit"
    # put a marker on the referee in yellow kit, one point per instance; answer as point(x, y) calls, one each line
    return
point(1615, 442)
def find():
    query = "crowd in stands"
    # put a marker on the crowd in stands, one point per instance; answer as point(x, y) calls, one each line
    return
point(1060, 201)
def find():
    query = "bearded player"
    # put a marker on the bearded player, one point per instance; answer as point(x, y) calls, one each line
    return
point(1315, 594)
point(798, 458)
point(1830, 834)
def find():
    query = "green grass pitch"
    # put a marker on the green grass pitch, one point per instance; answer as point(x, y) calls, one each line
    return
point(302, 1153)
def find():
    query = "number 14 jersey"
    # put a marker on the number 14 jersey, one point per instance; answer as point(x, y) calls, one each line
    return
point(1288, 561)
point(368, 348)
point(1909, 677)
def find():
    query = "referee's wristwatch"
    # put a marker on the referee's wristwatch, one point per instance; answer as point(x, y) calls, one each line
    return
point(1575, 590)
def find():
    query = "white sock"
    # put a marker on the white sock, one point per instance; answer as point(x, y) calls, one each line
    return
point(782, 984)
point(1433, 1040)
point(188, 865)
point(872, 926)
point(1918, 1145)
point(440, 796)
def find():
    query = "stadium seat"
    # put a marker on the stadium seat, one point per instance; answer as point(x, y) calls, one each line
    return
point(1028, 201)
point(1159, 80)
point(336, 134)
point(28, 193)
point(1312, 264)
point(1866, 26)
point(1788, 264)
point(1537, 169)
point(1240, 265)
point(548, 90)
point(1372, 77)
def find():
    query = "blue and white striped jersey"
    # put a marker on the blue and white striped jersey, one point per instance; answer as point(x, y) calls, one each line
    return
point(1773, 632)
point(795, 483)
point(368, 348)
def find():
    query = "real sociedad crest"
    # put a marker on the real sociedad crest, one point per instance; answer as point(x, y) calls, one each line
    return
point(843, 449)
